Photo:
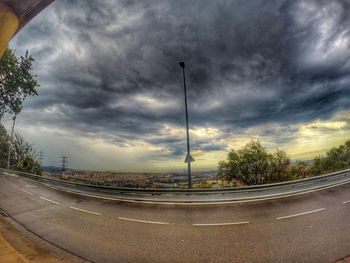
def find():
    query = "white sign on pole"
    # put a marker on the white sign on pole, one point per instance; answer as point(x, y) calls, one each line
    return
point(189, 159)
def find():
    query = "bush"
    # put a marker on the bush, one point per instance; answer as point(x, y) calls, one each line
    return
point(253, 165)
point(29, 165)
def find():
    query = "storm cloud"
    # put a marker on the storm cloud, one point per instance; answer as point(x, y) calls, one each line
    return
point(110, 69)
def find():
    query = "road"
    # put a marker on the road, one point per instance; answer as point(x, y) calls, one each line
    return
point(313, 227)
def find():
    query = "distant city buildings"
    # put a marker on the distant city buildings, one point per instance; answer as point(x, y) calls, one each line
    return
point(125, 179)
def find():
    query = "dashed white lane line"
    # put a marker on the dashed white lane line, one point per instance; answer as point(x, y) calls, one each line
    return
point(345, 202)
point(51, 201)
point(86, 211)
point(27, 192)
point(223, 224)
point(143, 221)
point(301, 214)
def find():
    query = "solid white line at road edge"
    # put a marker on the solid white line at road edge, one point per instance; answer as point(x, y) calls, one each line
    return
point(223, 224)
point(301, 214)
point(86, 211)
point(51, 201)
point(143, 221)
point(345, 202)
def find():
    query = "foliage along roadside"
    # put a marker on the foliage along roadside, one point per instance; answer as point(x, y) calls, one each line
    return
point(253, 165)
point(16, 83)
point(23, 156)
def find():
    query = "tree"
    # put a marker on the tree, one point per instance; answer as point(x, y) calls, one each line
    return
point(337, 158)
point(29, 165)
point(318, 166)
point(345, 155)
point(253, 165)
point(250, 165)
point(4, 146)
point(279, 163)
point(21, 150)
point(300, 170)
point(230, 169)
point(16, 81)
point(23, 157)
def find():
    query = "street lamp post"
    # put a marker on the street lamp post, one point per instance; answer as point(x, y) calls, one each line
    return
point(188, 158)
point(10, 144)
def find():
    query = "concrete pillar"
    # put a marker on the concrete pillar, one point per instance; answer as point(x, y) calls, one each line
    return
point(9, 23)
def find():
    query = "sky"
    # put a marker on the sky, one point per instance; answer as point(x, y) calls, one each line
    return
point(111, 94)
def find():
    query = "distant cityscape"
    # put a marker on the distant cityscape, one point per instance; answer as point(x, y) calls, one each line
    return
point(202, 179)
point(173, 179)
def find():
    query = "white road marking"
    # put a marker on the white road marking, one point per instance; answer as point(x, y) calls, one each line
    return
point(51, 201)
point(30, 185)
point(223, 224)
point(143, 221)
point(86, 211)
point(345, 202)
point(300, 214)
point(27, 192)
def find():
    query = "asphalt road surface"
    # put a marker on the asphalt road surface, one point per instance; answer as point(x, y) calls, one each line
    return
point(313, 227)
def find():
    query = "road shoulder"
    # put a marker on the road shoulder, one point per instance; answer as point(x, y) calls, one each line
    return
point(9, 254)
point(19, 246)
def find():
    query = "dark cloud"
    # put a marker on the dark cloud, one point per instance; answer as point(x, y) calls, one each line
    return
point(110, 68)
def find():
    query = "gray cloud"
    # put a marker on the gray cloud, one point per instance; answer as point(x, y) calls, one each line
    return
point(110, 68)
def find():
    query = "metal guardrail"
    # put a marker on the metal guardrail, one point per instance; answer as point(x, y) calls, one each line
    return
point(168, 191)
